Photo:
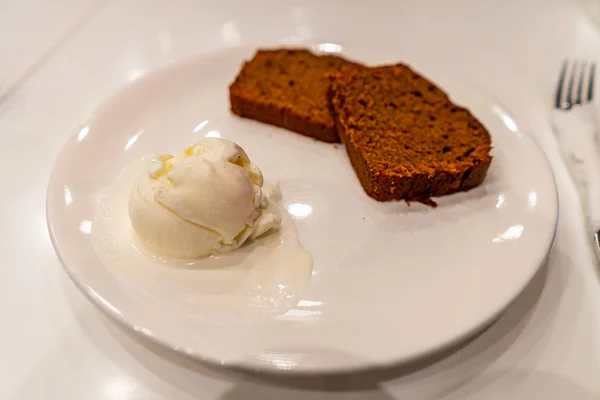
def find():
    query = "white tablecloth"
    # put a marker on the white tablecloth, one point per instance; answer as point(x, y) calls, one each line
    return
point(60, 61)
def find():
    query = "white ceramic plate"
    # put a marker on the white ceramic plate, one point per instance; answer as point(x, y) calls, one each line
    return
point(390, 282)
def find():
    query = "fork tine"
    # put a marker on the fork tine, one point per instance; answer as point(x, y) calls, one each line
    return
point(590, 94)
point(579, 96)
point(569, 102)
point(561, 82)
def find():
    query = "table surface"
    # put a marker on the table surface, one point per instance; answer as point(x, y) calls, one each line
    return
point(65, 57)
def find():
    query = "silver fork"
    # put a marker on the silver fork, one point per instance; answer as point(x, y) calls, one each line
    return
point(576, 128)
point(569, 74)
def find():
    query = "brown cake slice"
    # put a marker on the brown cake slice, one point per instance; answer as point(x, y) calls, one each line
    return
point(287, 88)
point(404, 137)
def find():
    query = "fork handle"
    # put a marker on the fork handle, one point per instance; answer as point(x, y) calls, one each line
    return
point(578, 138)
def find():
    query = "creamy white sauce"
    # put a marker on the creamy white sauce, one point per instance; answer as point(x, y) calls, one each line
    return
point(263, 278)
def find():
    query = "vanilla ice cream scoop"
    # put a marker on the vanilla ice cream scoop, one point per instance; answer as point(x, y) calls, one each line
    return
point(205, 200)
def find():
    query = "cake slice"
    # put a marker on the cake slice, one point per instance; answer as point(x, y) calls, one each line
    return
point(404, 137)
point(287, 88)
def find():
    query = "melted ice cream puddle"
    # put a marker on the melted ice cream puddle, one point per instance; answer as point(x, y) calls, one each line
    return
point(262, 279)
